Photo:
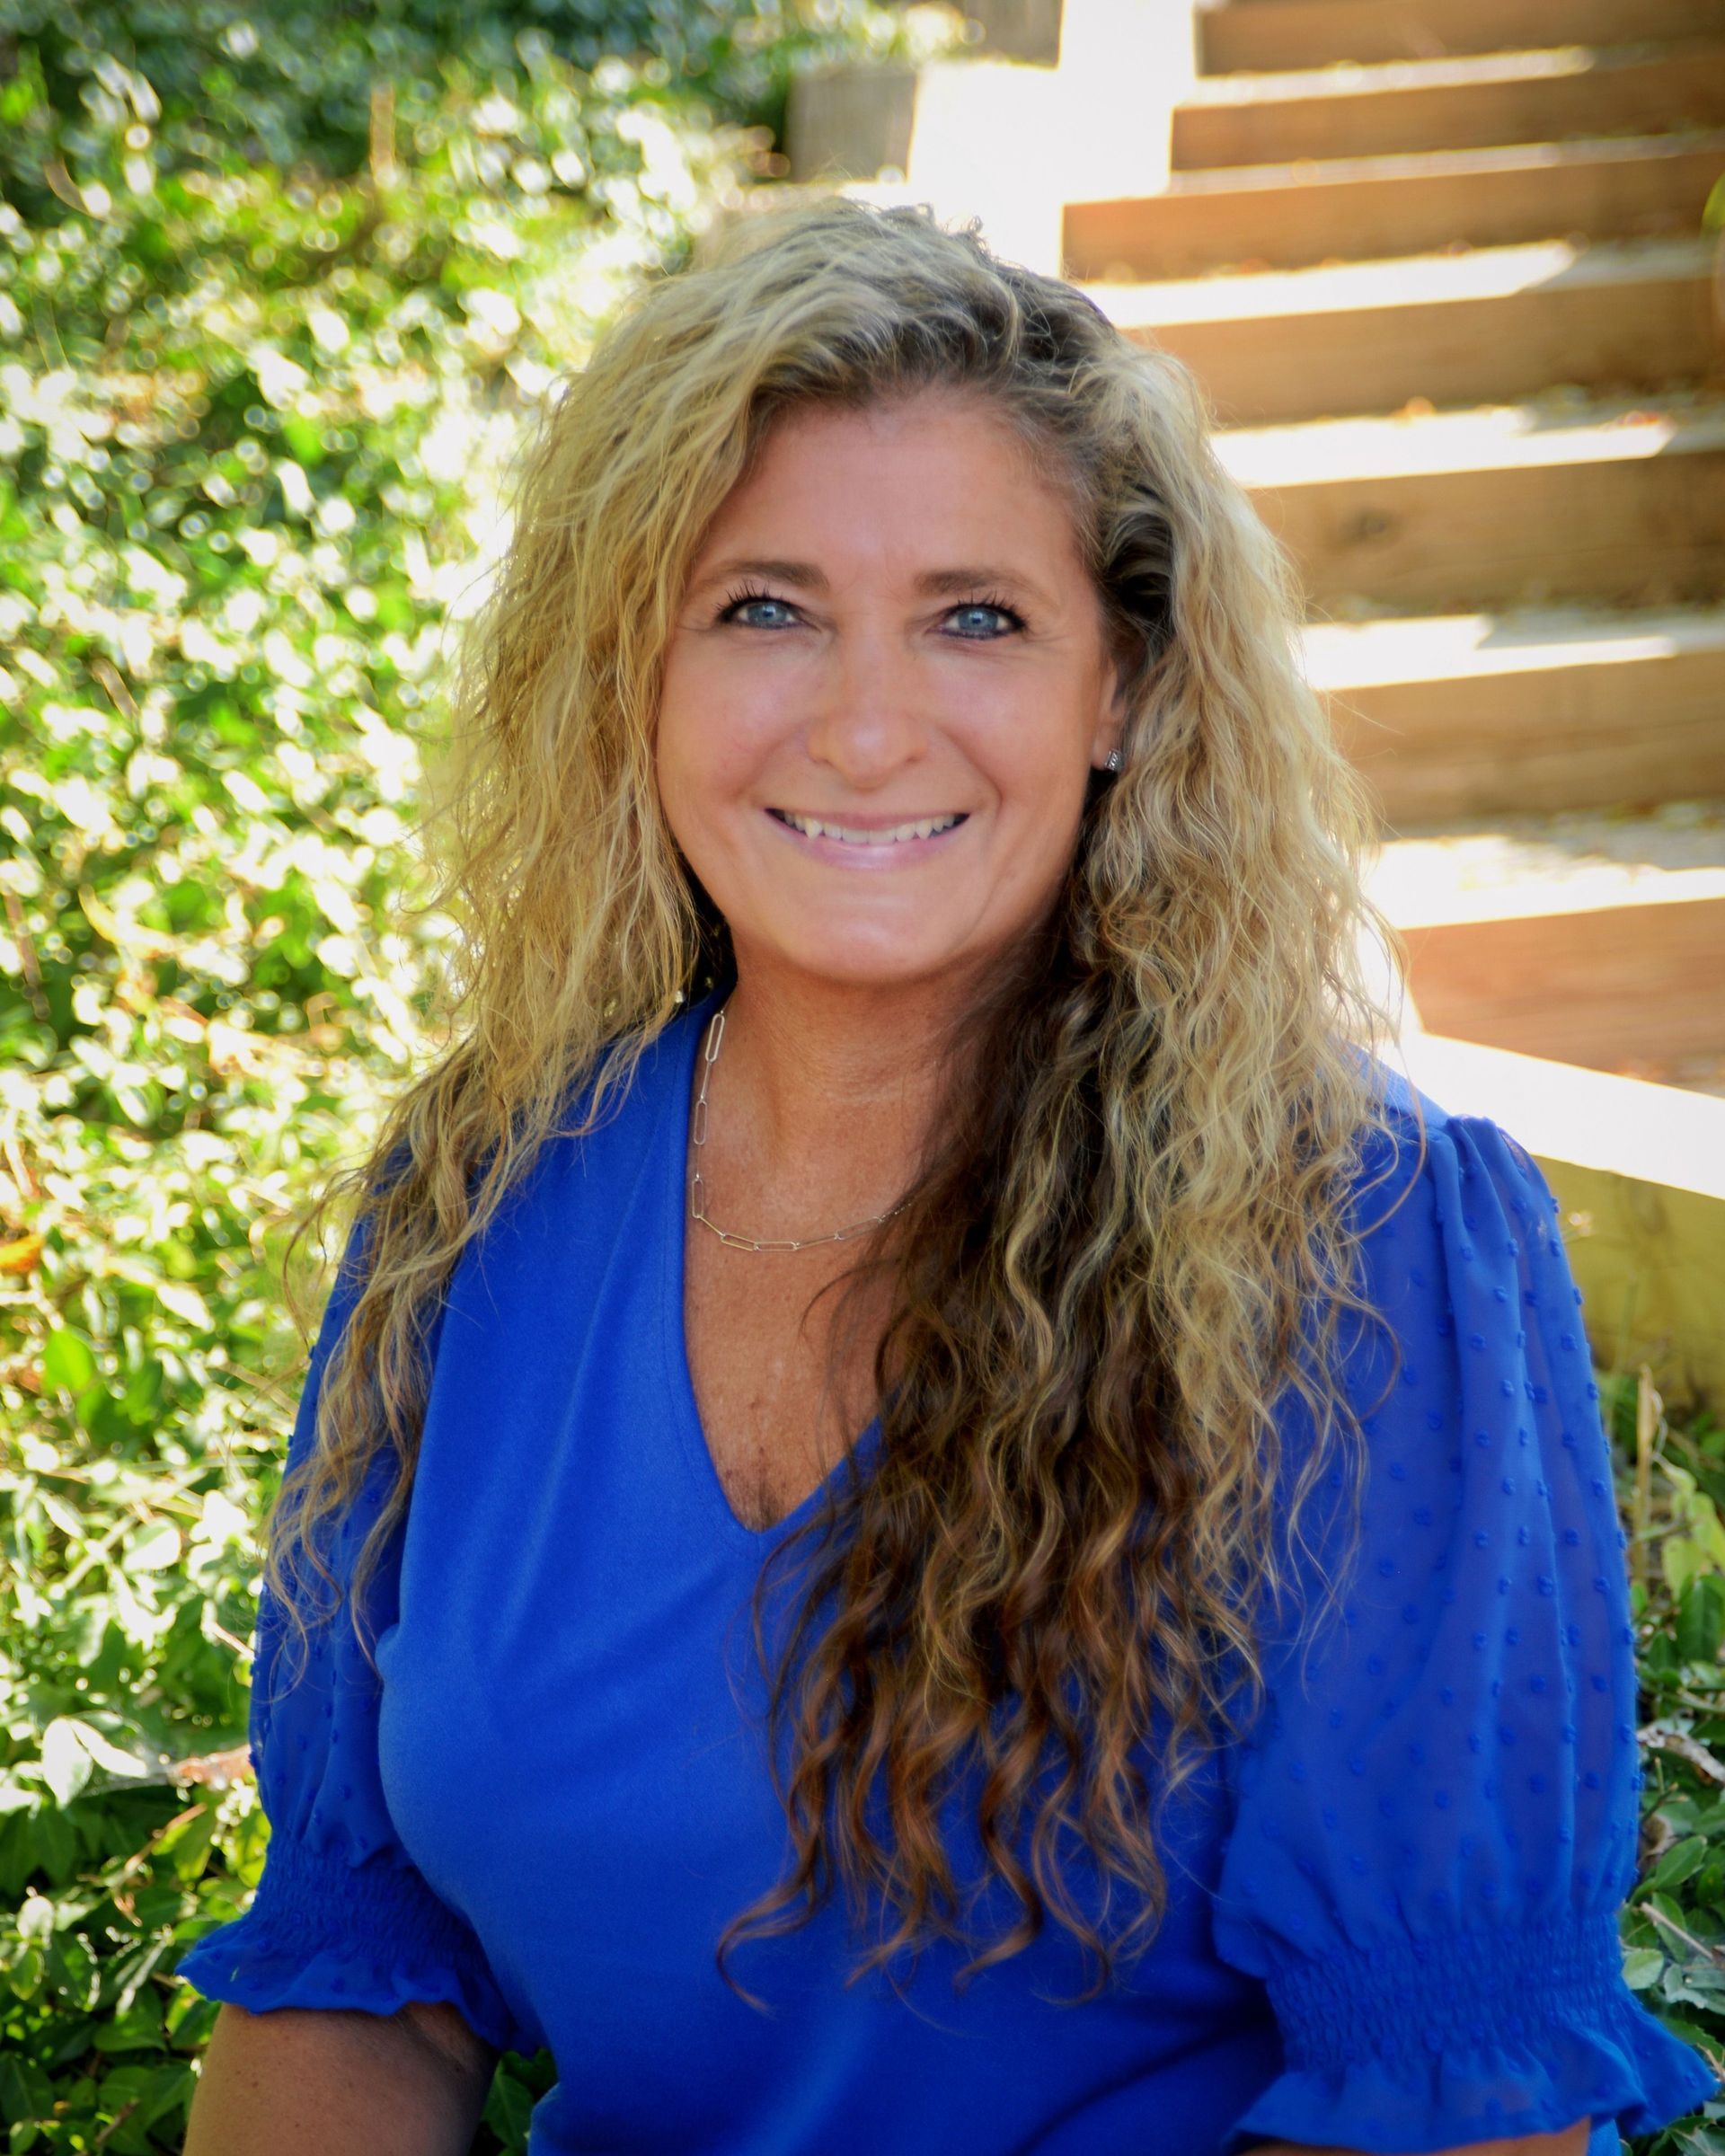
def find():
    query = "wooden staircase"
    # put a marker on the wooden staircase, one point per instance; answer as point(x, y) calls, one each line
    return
point(1439, 266)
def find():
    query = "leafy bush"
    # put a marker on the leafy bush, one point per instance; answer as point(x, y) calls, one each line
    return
point(277, 286)
point(1671, 1491)
point(277, 289)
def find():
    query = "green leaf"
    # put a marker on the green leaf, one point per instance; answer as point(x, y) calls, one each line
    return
point(137, 2029)
point(25, 1974)
point(104, 1753)
point(184, 1302)
point(67, 1764)
point(71, 1972)
point(126, 2085)
point(1678, 1863)
point(1701, 1618)
point(1641, 1967)
point(509, 2109)
point(36, 1918)
point(25, 2091)
point(303, 438)
point(135, 1970)
point(1707, 1528)
point(1681, 1559)
point(191, 1850)
point(68, 1361)
point(171, 2091)
point(154, 1549)
point(55, 1845)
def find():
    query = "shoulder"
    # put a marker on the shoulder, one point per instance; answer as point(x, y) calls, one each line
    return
point(1421, 1157)
point(614, 1124)
point(1396, 1092)
point(1459, 1259)
point(620, 1107)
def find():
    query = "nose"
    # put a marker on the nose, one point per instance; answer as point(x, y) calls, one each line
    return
point(869, 723)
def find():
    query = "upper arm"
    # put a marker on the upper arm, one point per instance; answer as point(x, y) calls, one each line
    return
point(1434, 1822)
point(1571, 2142)
point(344, 1917)
point(342, 2083)
point(444, 2030)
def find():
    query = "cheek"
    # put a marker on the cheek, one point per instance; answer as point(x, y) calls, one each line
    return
point(1040, 774)
point(689, 763)
point(1038, 766)
point(710, 748)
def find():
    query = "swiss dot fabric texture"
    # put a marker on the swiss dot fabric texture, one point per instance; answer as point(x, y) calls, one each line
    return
point(1392, 1913)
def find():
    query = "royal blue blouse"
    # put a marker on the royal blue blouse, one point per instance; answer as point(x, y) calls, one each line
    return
point(1391, 1920)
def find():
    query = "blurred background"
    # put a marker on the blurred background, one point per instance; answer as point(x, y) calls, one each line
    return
point(280, 286)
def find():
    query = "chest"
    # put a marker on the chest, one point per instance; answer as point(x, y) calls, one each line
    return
point(572, 1736)
point(760, 1329)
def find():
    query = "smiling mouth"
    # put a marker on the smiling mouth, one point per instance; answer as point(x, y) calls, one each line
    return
point(860, 835)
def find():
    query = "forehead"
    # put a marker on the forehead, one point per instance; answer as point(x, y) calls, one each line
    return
point(950, 465)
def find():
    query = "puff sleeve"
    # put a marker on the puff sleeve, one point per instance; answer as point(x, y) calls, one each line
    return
point(341, 1916)
point(1435, 1820)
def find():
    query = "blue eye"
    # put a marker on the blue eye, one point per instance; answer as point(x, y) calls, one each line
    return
point(736, 601)
point(987, 607)
point(768, 602)
point(750, 598)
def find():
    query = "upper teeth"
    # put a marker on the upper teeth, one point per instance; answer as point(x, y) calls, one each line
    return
point(925, 829)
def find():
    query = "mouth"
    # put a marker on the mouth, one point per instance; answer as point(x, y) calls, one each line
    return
point(870, 835)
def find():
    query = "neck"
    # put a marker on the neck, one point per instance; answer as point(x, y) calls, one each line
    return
point(823, 1095)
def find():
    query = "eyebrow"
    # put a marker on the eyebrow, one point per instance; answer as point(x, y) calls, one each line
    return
point(931, 583)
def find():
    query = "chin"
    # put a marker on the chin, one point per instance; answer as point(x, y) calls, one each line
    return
point(867, 964)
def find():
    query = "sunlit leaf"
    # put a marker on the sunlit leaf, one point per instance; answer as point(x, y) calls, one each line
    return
point(67, 1764)
point(66, 1360)
point(1641, 1969)
point(154, 1549)
point(184, 1302)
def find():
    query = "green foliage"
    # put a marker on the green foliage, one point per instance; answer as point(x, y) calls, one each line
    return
point(1671, 1489)
point(278, 287)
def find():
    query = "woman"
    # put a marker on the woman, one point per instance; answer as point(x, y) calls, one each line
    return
point(915, 991)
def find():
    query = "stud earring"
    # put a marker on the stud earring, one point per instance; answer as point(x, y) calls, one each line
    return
point(1113, 759)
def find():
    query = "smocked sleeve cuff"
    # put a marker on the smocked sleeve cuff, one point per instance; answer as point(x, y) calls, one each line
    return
point(323, 1932)
point(1431, 2044)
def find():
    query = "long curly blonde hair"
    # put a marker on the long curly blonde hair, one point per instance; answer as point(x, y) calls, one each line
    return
point(1120, 1260)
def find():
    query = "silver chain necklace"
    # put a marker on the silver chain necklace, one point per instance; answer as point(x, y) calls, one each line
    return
point(697, 1188)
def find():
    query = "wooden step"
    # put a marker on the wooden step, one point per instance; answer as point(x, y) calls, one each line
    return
point(1635, 989)
point(1265, 34)
point(1560, 498)
point(1355, 208)
point(1455, 716)
point(1596, 941)
point(1476, 326)
point(1396, 107)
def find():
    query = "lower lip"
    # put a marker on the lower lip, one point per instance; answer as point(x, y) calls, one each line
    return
point(890, 854)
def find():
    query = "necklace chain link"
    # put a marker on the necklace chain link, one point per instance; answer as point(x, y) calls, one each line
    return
point(697, 1187)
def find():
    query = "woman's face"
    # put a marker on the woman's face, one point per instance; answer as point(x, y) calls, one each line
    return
point(886, 690)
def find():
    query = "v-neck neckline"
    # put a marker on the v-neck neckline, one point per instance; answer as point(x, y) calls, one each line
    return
point(672, 1138)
